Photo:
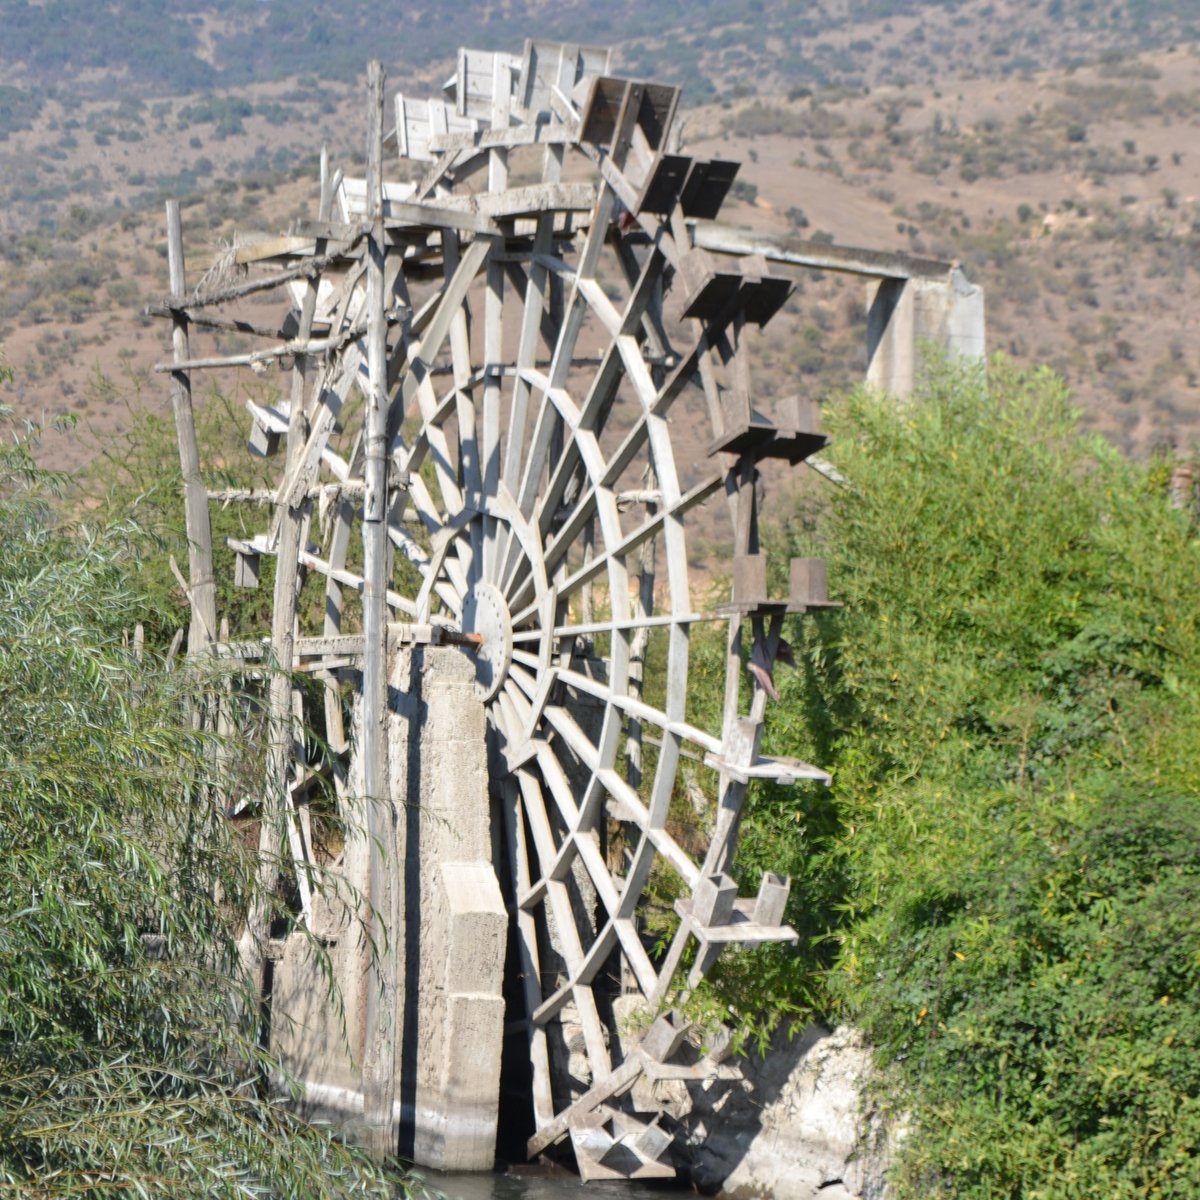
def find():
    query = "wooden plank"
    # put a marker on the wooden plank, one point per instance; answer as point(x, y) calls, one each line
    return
point(777, 770)
point(351, 199)
point(636, 708)
point(293, 523)
point(339, 545)
point(289, 349)
point(483, 80)
point(598, 121)
point(707, 185)
point(413, 371)
point(279, 246)
point(546, 65)
point(593, 960)
point(436, 216)
point(564, 921)
point(531, 319)
point(201, 583)
point(301, 476)
point(527, 946)
point(537, 198)
point(664, 183)
point(564, 350)
point(808, 256)
point(613, 1085)
point(582, 748)
point(742, 929)
point(382, 829)
point(557, 547)
point(348, 578)
point(342, 644)
point(309, 268)
point(418, 122)
point(229, 324)
point(538, 134)
point(582, 842)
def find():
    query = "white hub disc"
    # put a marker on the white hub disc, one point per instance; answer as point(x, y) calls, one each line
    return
point(485, 612)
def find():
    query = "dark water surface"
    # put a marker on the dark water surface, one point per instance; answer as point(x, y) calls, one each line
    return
point(535, 1183)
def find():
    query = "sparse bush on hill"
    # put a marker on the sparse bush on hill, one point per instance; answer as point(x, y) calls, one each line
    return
point(18, 110)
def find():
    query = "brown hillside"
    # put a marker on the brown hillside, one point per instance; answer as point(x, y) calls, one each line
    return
point(1070, 195)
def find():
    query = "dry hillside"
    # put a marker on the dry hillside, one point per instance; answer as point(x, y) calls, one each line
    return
point(1069, 190)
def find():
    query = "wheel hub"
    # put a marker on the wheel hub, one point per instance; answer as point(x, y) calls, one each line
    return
point(485, 612)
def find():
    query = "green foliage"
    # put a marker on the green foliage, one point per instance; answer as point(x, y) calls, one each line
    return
point(1009, 705)
point(137, 478)
point(1058, 1055)
point(225, 113)
point(128, 1051)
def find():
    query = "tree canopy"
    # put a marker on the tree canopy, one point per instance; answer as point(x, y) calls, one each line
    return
point(1006, 866)
point(128, 1050)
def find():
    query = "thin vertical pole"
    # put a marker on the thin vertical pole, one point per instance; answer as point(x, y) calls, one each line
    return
point(293, 530)
point(324, 194)
point(202, 631)
point(379, 1052)
point(278, 819)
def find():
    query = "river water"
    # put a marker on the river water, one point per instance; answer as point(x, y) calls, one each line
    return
point(536, 1183)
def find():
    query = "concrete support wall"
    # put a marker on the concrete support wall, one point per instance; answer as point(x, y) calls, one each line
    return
point(904, 314)
point(453, 934)
point(454, 1026)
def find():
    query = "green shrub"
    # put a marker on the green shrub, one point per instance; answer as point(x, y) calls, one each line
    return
point(129, 1061)
point(1009, 705)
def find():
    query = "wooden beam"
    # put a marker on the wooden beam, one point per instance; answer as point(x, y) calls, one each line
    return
point(379, 1053)
point(810, 256)
point(201, 584)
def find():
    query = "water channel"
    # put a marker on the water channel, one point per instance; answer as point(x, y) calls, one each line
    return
point(539, 1183)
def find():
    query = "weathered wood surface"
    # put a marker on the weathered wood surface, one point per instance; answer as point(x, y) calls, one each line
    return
point(382, 827)
point(201, 587)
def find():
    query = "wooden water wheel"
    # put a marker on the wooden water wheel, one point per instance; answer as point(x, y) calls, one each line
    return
point(521, 383)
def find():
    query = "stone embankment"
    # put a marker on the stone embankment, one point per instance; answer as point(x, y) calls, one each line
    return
point(799, 1125)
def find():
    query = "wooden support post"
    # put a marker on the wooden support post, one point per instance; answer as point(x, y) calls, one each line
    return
point(379, 1053)
point(202, 631)
point(278, 819)
point(640, 643)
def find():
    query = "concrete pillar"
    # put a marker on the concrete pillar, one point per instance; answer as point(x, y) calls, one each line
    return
point(454, 1047)
point(453, 931)
point(905, 314)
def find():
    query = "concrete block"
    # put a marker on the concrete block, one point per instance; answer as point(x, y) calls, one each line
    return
point(451, 1033)
point(904, 315)
point(663, 1038)
point(712, 903)
point(455, 1126)
point(478, 926)
point(772, 899)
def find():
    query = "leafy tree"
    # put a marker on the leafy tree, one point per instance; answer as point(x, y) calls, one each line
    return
point(128, 1052)
point(1009, 703)
point(137, 477)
